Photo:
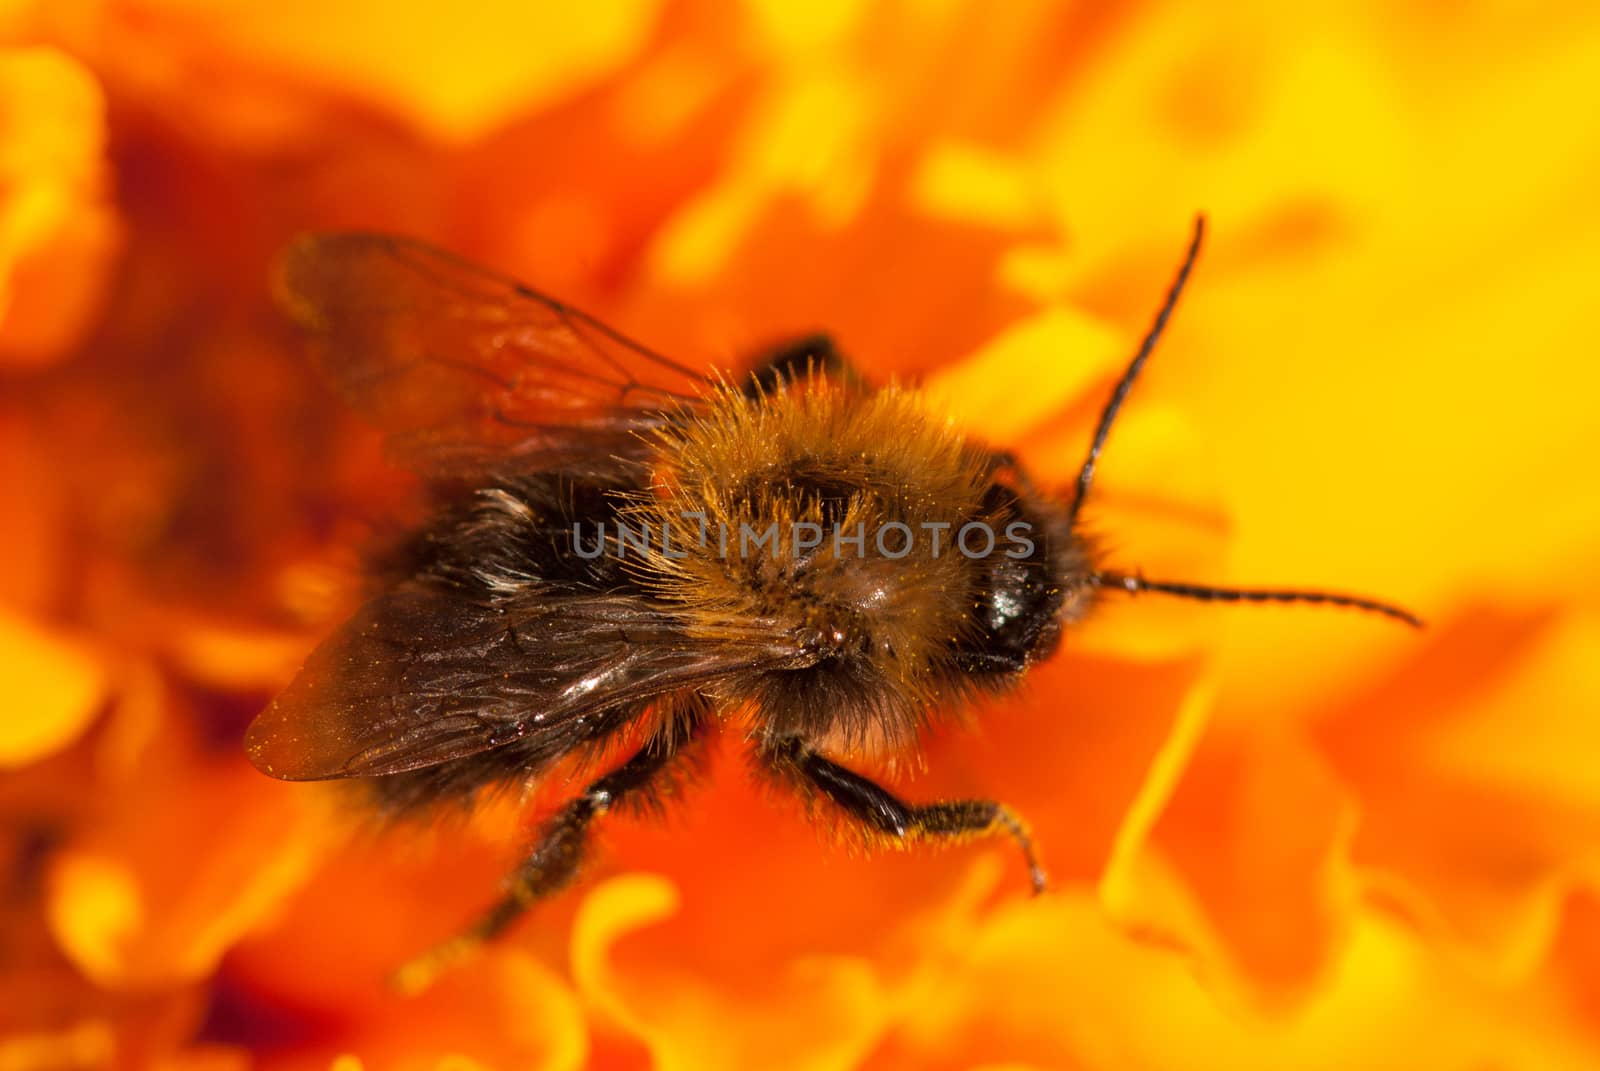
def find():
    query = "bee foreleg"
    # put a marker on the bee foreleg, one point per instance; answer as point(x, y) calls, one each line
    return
point(888, 818)
point(553, 863)
point(797, 359)
point(1005, 461)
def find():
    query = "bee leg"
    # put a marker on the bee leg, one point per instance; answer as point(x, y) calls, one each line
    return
point(1007, 462)
point(886, 817)
point(800, 358)
point(553, 863)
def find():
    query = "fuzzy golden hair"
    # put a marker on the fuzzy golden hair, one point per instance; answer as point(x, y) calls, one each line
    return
point(822, 459)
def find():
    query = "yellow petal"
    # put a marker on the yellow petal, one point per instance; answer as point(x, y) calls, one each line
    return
point(52, 690)
point(457, 74)
point(58, 234)
point(1027, 374)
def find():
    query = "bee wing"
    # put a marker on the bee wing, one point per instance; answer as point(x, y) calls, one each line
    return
point(420, 677)
point(466, 368)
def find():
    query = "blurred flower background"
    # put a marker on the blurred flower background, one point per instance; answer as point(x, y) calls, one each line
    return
point(1279, 837)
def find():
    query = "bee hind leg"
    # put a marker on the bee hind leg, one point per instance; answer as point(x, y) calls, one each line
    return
point(886, 818)
point(553, 863)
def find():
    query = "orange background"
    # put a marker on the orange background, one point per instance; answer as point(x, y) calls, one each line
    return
point(1279, 837)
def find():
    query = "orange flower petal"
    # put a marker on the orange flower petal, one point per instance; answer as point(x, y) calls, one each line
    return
point(1251, 872)
point(1001, 987)
point(818, 1012)
point(510, 1012)
point(1278, 838)
point(130, 913)
point(1508, 819)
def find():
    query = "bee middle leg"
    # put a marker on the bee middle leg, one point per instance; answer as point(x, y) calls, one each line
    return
point(553, 863)
point(885, 816)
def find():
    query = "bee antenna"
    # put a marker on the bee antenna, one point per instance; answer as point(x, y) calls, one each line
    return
point(1133, 585)
point(1108, 415)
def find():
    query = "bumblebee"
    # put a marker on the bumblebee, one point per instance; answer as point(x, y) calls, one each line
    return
point(622, 548)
